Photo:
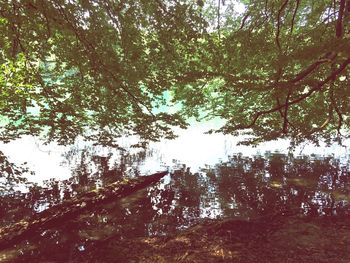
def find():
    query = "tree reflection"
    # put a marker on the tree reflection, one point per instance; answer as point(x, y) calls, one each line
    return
point(252, 186)
point(242, 187)
point(13, 181)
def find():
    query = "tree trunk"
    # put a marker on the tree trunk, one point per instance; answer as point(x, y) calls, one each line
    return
point(69, 209)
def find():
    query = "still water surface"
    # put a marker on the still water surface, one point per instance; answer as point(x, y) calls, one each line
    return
point(193, 148)
point(209, 177)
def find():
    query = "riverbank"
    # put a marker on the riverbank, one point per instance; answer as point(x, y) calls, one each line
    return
point(279, 239)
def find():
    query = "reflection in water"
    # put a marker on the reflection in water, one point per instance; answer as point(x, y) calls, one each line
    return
point(244, 187)
point(14, 205)
point(257, 186)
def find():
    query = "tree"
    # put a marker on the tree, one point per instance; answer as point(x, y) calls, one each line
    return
point(276, 69)
point(92, 68)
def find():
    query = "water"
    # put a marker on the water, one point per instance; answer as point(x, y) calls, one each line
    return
point(207, 179)
point(193, 147)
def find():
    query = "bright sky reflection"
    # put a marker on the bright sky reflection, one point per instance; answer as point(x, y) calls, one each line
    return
point(192, 147)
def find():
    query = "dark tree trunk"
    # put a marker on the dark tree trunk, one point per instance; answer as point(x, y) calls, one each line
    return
point(71, 208)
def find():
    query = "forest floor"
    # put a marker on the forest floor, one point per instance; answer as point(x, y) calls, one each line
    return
point(278, 239)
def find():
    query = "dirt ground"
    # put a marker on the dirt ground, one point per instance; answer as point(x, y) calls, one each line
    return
point(290, 239)
point(278, 239)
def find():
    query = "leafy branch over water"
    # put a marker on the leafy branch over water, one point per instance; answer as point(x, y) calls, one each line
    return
point(101, 69)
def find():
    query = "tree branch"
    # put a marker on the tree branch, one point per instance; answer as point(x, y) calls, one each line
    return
point(218, 15)
point(71, 208)
point(194, 75)
point(244, 20)
point(113, 18)
point(294, 15)
point(285, 121)
point(91, 50)
point(317, 87)
point(279, 24)
point(339, 113)
point(303, 74)
point(339, 24)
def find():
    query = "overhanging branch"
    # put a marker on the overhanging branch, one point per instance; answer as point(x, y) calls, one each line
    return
point(339, 24)
point(316, 88)
point(279, 24)
point(91, 50)
point(294, 15)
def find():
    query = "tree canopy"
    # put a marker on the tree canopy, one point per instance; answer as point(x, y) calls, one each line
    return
point(102, 68)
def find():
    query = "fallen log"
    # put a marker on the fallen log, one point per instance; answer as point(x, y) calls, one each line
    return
point(71, 208)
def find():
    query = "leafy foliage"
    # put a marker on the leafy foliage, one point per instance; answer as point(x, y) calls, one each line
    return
point(282, 68)
point(89, 67)
point(272, 68)
point(11, 175)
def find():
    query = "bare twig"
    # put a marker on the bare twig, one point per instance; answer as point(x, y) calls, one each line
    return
point(285, 120)
point(265, 9)
point(45, 15)
point(339, 113)
point(335, 106)
point(294, 15)
point(279, 24)
point(339, 24)
point(244, 20)
point(113, 18)
point(218, 17)
point(15, 30)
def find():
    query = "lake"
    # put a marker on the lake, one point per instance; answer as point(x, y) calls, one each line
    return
point(209, 177)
